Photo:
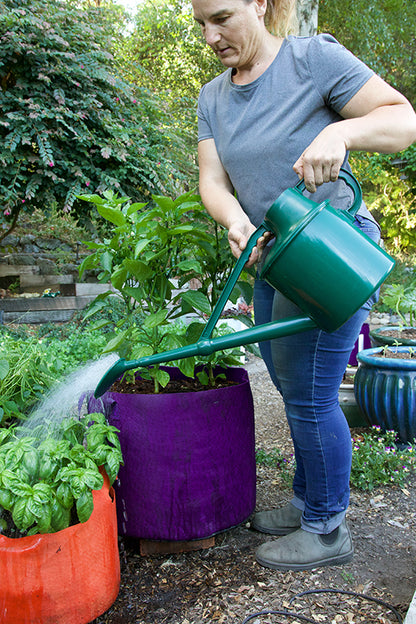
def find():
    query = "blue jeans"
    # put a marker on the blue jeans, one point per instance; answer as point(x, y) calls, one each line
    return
point(307, 369)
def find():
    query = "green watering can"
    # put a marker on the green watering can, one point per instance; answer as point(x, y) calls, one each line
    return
point(319, 261)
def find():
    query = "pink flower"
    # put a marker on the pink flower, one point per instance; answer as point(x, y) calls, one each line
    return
point(7, 212)
point(23, 201)
point(87, 183)
point(51, 164)
point(77, 84)
point(134, 101)
point(82, 66)
point(117, 99)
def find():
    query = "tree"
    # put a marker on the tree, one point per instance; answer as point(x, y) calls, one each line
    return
point(167, 53)
point(68, 121)
point(381, 33)
point(307, 13)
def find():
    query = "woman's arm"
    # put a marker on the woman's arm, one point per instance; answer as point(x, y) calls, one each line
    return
point(376, 119)
point(218, 197)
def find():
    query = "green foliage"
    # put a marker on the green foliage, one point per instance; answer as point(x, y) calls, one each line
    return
point(153, 255)
point(401, 300)
point(377, 461)
point(44, 480)
point(390, 194)
point(168, 46)
point(166, 52)
point(275, 459)
point(68, 121)
point(51, 224)
point(25, 374)
point(380, 32)
point(31, 364)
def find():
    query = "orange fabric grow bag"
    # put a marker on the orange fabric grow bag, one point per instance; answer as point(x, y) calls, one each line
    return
point(69, 577)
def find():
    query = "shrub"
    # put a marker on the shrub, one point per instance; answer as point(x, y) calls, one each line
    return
point(68, 121)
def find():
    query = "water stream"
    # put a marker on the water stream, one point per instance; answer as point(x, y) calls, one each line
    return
point(66, 399)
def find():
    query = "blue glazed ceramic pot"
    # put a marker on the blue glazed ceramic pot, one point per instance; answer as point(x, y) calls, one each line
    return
point(385, 390)
point(401, 338)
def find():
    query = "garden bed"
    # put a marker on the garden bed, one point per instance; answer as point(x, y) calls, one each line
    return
point(224, 584)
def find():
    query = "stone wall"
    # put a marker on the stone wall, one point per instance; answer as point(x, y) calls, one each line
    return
point(50, 255)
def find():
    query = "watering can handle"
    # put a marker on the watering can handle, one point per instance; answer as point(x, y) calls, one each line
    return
point(232, 280)
point(352, 182)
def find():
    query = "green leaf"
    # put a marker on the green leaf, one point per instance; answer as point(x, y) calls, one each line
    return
point(94, 308)
point(162, 377)
point(95, 199)
point(118, 277)
point(110, 214)
point(203, 378)
point(22, 516)
point(112, 465)
point(187, 366)
point(197, 300)
point(31, 462)
point(85, 506)
point(166, 203)
point(116, 342)
point(88, 263)
point(138, 269)
point(107, 261)
point(6, 499)
point(64, 495)
point(156, 319)
point(60, 516)
point(44, 518)
point(193, 332)
point(135, 207)
point(190, 265)
point(4, 368)
point(135, 293)
point(140, 246)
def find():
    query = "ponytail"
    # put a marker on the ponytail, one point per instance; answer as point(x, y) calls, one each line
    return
point(280, 18)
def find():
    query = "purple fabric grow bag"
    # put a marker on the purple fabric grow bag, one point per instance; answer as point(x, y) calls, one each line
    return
point(189, 460)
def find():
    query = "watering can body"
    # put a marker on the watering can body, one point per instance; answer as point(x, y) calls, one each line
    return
point(319, 260)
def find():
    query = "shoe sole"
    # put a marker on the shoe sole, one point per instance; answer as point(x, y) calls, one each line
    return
point(332, 561)
point(280, 532)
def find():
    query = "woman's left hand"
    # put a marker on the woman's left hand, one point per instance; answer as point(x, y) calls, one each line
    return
point(322, 159)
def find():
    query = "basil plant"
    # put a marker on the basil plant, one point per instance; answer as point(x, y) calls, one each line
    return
point(46, 481)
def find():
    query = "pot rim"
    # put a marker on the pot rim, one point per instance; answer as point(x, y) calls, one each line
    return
point(367, 357)
point(377, 330)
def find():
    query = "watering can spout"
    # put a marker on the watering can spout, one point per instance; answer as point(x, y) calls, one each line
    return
point(206, 346)
point(319, 261)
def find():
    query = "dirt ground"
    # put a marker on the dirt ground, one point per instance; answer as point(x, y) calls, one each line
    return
point(224, 584)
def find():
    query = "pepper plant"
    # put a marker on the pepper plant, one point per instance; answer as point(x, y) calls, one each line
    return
point(46, 482)
point(153, 255)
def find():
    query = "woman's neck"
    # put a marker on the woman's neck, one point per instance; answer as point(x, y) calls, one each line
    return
point(265, 57)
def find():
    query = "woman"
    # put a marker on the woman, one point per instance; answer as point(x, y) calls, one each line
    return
point(289, 108)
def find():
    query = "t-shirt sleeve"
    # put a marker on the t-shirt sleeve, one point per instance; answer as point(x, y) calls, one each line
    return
point(204, 128)
point(337, 73)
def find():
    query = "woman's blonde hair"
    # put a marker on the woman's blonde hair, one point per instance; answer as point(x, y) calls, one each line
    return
point(280, 18)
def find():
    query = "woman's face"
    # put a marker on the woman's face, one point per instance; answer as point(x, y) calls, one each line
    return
point(233, 29)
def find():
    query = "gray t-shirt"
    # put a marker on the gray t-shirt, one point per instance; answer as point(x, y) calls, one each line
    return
point(261, 128)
